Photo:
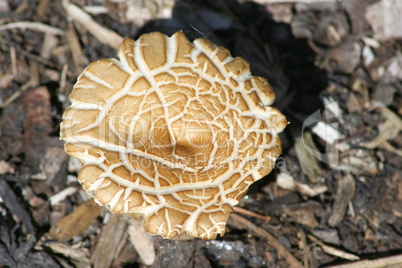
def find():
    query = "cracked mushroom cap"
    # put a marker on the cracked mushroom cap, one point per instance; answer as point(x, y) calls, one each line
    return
point(174, 132)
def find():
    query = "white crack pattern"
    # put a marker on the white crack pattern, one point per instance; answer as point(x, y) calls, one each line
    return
point(174, 132)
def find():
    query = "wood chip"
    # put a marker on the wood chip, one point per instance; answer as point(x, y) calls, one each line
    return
point(304, 144)
point(287, 182)
point(78, 254)
point(358, 161)
point(5, 80)
point(43, 6)
point(330, 236)
point(49, 43)
point(12, 202)
point(344, 194)
point(38, 114)
point(37, 125)
point(76, 222)
point(5, 167)
point(355, 103)
point(326, 132)
point(304, 213)
point(4, 7)
point(141, 241)
point(388, 130)
point(384, 17)
point(107, 247)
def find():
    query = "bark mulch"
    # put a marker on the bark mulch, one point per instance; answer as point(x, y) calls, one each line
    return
point(335, 196)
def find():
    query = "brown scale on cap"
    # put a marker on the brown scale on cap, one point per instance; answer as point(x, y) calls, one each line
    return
point(174, 132)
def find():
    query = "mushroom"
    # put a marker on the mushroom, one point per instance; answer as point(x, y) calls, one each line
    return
point(174, 132)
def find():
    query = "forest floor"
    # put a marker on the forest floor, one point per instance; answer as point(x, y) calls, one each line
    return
point(335, 197)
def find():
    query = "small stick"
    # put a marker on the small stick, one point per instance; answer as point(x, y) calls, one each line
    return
point(104, 35)
point(13, 56)
point(251, 214)
point(335, 252)
point(392, 261)
point(272, 241)
point(60, 196)
point(10, 99)
point(63, 77)
point(36, 26)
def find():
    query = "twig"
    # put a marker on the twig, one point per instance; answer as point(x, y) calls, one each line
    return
point(76, 51)
point(104, 35)
point(335, 252)
point(37, 58)
point(63, 78)
point(272, 241)
point(36, 26)
point(251, 214)
point(10, 99)
point(13, 56)
point(393, 261)
point(60, 196)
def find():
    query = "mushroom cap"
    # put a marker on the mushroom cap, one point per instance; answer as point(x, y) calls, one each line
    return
point(174, 132)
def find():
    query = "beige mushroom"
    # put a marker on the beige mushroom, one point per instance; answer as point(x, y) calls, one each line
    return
point(174, 132)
